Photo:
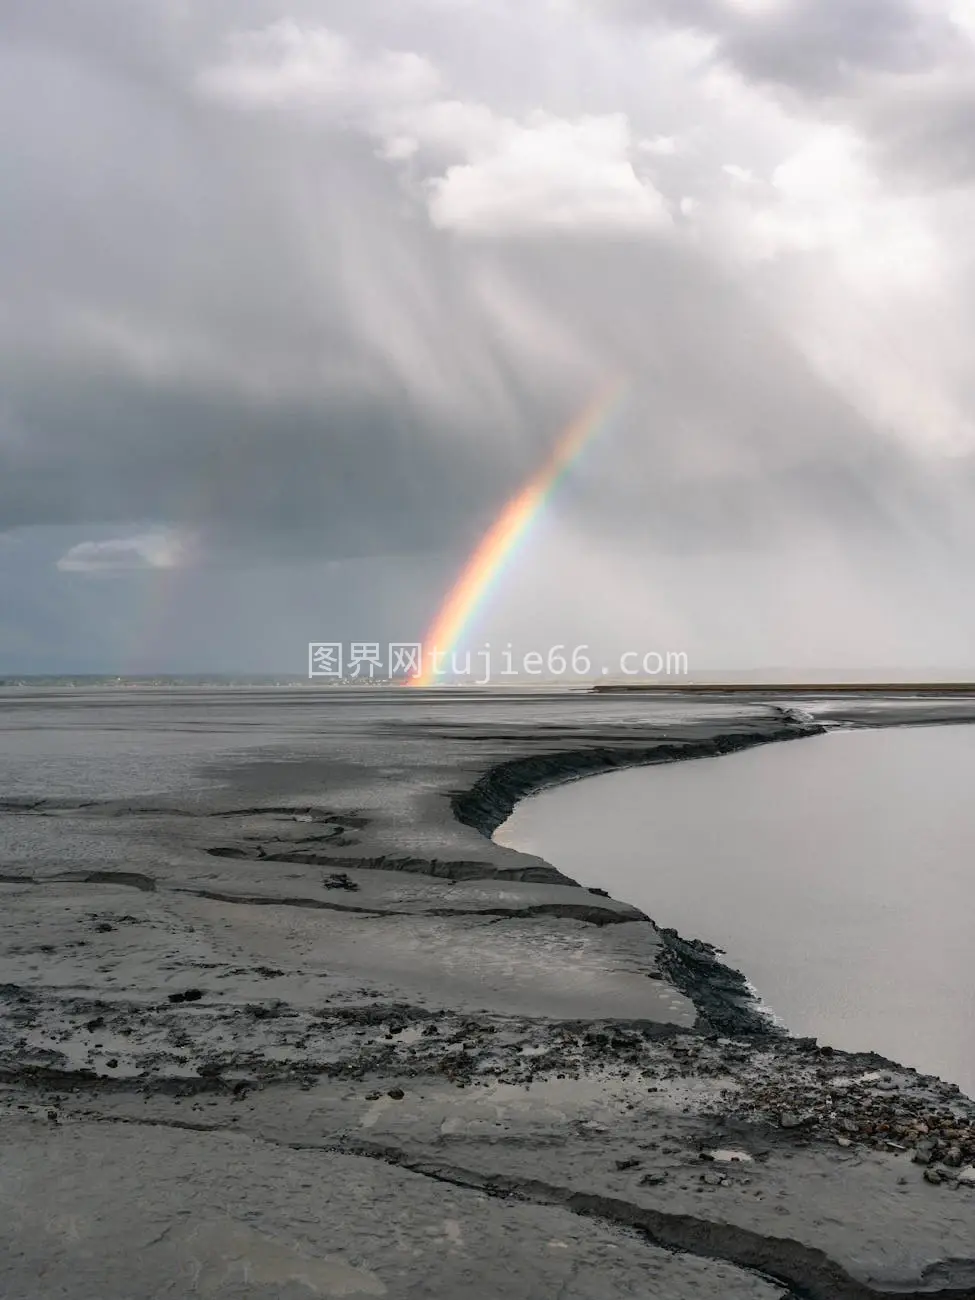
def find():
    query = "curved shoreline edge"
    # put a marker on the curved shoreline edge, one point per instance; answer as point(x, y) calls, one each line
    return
point(722, 996)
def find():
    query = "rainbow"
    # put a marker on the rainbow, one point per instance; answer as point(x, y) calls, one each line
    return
point(487, 563)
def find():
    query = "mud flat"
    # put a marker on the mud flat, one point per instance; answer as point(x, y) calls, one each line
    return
point(287, 1022)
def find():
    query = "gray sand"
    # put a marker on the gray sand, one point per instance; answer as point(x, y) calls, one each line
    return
point(410, 1062)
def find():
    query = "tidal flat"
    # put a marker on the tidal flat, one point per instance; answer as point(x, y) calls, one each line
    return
point(278, 1018)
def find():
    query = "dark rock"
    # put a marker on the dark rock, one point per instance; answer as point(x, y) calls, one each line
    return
point(97, 1023)
point(339, 880)
point(397, 1094)
point(653, 1180)
point(103, 927)
point(188, 995)
point(111, 1064)
point(632, 1163)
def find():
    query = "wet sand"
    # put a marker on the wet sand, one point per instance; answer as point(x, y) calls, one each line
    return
point(279, 1019)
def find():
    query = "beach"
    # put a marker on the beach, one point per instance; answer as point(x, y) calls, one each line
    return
point(279, 1018)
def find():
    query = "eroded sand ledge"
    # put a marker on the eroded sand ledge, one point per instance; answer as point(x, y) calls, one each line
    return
point(465, 1073)
point(720, 994)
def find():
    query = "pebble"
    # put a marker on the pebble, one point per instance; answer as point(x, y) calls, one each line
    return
point(792, 1119)
point(922, 1154)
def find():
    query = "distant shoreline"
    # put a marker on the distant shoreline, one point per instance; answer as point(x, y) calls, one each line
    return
point(804, 689)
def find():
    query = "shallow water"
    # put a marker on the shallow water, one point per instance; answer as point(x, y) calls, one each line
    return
point(837, 872)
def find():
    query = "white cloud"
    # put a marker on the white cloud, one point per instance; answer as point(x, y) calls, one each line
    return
point(846, 265)
point(804, 216)
point(550, 174)
point(759, 8)
point(740, 174)
point(855, 274)
point(663, 145)
point(290, 66)
point(118, 555)
point(962, 13)
point(447, 127)
point(824, 198)
point(501, 175)
point(398, 148)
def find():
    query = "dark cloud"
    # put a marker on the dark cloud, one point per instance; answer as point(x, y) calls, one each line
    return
point(924, 130)
point(811, 46)
point(206, 315)
point(900, 71)
point(818, 45)
point(244, 325)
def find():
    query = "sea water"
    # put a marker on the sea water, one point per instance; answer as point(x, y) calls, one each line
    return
point(837, 872)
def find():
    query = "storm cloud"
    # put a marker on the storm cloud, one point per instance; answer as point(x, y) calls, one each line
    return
point(300, 295)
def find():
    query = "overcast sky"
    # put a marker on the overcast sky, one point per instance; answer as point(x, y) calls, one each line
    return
point(294, 298)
